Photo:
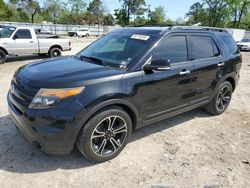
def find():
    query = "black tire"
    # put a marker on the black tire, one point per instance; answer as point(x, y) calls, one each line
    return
point(87, 35)
point(3, 57)
point(221, 100)
point(95, 141)
point(55, 52)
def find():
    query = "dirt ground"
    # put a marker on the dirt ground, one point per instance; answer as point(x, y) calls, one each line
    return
point(191, 150)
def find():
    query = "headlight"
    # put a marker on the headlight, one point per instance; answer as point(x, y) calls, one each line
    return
point(45, 98)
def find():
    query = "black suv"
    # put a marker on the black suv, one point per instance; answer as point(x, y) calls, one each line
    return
point(127, 79)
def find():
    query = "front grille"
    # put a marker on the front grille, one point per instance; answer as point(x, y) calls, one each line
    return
point(21, 93)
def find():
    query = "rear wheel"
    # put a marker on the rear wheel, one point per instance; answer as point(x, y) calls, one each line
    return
point(87, 35)
point(3, 57)
point(55, 52)
point(221, 100)
point(105, 135)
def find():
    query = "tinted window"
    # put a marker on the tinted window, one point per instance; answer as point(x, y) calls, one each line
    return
point(173, 49)
point(114, 45)
point(23, 34)
point(231, 44)
point(203, 47)
point(119, 49)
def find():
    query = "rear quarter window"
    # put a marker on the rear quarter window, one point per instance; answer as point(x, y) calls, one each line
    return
point(230, 44)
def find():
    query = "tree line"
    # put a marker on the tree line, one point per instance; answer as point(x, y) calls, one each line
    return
point(214, 13)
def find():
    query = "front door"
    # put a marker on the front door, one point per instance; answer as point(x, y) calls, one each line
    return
point(24, 43)
point(165, 92)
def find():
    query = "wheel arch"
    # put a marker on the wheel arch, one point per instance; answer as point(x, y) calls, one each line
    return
point(231, 80)
point(4, 50)
point(56, 46)
point(125, 105)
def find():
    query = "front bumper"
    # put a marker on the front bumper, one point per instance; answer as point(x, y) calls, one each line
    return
point(244, 48)
point(52, 136)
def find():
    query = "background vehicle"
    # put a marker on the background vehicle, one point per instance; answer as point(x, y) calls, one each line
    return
point(43, 31)
point(83, 32)
point(24, 41)
point(244, 44)
point(1, 27)
point(98, 97)
point(72, 33)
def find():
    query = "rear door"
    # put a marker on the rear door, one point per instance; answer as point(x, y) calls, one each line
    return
point(208, 66)
point(165, 92)
point(24, 43)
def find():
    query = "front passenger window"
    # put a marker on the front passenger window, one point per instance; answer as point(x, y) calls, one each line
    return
point(172, 48)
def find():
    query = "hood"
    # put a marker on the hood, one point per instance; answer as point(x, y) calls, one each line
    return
point(64, 72)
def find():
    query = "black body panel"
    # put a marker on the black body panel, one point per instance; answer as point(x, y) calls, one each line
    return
point(146, 96)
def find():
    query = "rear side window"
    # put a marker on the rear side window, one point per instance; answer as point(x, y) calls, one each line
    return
point(230, 44)
point(203, 47)
point(173, 48)
point(23, 34)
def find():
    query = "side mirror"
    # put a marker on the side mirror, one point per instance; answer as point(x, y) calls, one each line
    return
point(14, 37)
point(158, 65)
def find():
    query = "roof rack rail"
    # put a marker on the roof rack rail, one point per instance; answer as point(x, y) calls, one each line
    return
point(151, 25)
point(204, 28)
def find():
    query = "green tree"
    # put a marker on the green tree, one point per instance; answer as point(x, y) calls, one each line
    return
point(131, 7)
point(32, 7)
point(53, 9)
point(3, 10)
point(197, 14)
point(217, 12)
point(95, 12)
point(77, 6)
point(121, 17)
point(239, 9)
point(108, 19)
point(158, 16)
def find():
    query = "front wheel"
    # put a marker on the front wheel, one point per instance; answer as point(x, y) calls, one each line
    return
point(55, 52)
point(105, 135)
point(221, 100)
point(3, 57)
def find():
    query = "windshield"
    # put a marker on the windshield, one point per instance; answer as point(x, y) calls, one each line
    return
point(245, 40)
point(6, 32)
point(119, 49)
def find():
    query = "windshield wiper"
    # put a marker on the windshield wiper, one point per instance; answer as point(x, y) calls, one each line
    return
point(99, 61)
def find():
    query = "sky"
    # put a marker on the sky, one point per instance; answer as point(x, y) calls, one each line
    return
point(174, 8)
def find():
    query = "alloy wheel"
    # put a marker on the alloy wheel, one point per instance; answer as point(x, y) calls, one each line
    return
point(223, 98)
point(108, 136)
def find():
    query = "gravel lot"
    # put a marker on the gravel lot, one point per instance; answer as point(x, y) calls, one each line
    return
point(191, 150)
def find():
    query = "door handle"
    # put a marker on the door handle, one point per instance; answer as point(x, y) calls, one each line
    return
point(221, 64)
point(185, 72)
point(31, 41)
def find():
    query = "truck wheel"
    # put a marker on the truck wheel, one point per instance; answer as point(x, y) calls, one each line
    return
point(54, 52)
point(87, 35)
point(3, 57)
point(221, 100)
point(105, 135)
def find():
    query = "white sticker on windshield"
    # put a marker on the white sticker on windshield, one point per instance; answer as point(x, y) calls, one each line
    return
point(140, 37)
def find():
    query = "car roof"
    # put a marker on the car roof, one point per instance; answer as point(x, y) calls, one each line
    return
point(161, 30)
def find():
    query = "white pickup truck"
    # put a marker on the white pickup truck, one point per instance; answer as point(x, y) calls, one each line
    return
point(17, 41)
